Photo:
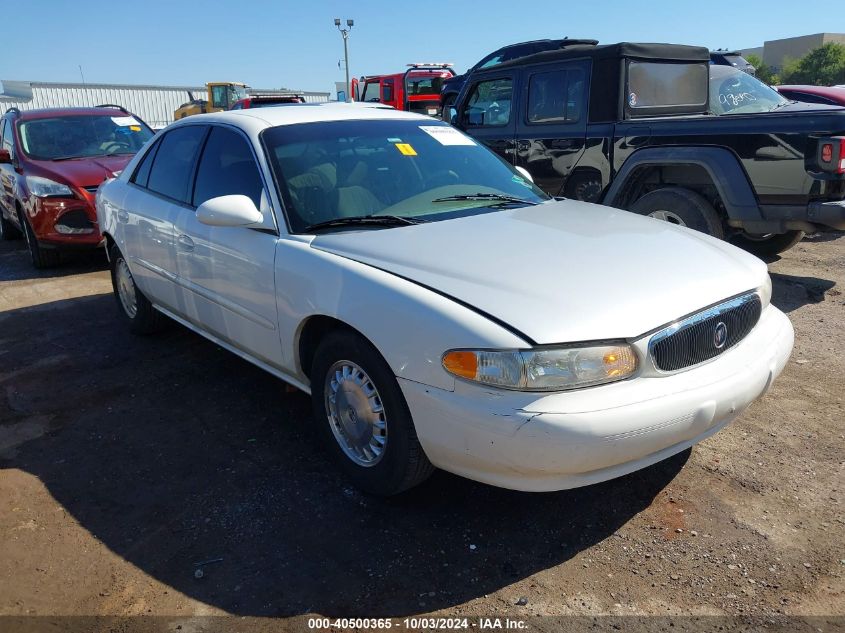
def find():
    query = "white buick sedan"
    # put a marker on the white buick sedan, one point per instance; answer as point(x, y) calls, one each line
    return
point(441, 310)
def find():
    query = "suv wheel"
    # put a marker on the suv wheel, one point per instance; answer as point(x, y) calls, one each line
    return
point(767, 245)
point(363, 418)
point(682, 207)
point(143, 318)
point(585, 186)
point(8, 231)
point(41, 257)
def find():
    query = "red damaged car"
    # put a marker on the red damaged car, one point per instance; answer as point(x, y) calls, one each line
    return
point(51, 163)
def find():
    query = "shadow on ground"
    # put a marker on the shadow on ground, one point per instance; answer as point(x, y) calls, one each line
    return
point(790, 292)
point(172, 452)
point(15, 264)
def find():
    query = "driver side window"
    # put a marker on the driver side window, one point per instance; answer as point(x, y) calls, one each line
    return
point(489, 103)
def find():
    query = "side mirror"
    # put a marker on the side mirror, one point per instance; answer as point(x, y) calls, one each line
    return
point(526, 174)
point(5, 157)
point(236, 210)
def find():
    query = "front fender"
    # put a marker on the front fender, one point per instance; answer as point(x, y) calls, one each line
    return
point(410, 325)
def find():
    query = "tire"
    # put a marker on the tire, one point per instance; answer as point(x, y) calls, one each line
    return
point(8, 231)
point(767, 245)
point(586, 187)
point(41, 257)
point(377, 466)
point(136, 309)
point(682, 207)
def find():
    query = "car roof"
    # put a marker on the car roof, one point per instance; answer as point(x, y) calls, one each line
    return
point(673, 52)
point(44, 113)
point(295, 113)
point(824, 91)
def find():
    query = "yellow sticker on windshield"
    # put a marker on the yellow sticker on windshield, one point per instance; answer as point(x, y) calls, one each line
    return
point(406, 149)
point(135, 128)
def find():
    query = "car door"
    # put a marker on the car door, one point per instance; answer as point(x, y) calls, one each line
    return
point(226, 279)
point(551, 128)
point(159, 189)
point(488, 113)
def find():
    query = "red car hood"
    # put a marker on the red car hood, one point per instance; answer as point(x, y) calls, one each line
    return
point(84, 172)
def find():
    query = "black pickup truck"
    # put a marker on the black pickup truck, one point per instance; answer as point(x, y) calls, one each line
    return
point(655, 129)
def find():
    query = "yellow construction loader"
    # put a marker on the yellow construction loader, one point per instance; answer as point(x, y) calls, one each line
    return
point(222, 95)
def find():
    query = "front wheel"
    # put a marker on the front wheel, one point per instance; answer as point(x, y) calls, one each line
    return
point(41, 257)
point(683, 207)
point(8, 231)
point(142, 317)
point(767, 245)
point(363, 418)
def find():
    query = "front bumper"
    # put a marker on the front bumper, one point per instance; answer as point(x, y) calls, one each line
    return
point(541, 442)
point(830, 214)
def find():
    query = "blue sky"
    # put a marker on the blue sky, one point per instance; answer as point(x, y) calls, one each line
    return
point(274, 43)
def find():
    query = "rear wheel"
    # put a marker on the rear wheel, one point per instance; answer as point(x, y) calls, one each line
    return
point(769, 244)
point(683, 207)
point(41, 257)
point(143, 318)
point(363, 418)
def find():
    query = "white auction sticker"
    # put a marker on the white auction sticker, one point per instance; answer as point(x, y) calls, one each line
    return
point(446, 135)
point(125, 121)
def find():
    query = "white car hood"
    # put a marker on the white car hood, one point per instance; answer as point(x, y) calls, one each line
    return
point(562, 271)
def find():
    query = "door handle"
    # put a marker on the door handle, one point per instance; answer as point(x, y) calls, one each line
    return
point(185, 243)
point(122, 215)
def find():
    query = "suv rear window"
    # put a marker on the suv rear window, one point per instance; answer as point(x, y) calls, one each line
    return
point(659, 87)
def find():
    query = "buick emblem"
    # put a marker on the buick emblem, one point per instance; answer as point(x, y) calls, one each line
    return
point(720, 335)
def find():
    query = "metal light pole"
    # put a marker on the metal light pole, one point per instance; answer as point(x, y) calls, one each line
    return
point(345, 34)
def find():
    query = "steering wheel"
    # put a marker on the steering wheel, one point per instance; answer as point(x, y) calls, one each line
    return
point(113, 147)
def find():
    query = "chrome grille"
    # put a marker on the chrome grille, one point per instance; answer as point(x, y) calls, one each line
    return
point(92, 190)
point(705, 335)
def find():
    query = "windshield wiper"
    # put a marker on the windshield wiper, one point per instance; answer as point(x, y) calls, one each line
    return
point(782, 104)
point(487, 196)
point(364, 220)
point(58, 158)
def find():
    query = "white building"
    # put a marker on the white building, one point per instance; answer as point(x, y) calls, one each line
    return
point(154, 104)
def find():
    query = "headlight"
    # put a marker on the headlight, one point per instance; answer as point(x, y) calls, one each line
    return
point(543, 369)
point(766, 292)
point(46, 188)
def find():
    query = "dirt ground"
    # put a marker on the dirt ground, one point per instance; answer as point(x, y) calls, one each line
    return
point(165, 476)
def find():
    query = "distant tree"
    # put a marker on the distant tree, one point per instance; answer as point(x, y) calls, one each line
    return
point(823, 66)
point(764, 73)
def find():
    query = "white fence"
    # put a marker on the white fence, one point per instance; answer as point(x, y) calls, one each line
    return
point(154, 104)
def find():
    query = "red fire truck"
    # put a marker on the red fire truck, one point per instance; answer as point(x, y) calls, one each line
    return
point(415, 90)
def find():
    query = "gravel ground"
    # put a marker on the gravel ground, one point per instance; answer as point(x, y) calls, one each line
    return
point(165, 476)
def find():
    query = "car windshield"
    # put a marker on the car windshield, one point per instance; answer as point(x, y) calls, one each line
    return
point(415, 169)
point(735, 92)
point(81, 136)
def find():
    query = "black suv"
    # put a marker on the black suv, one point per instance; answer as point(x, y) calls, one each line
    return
point(724, 57)
point(452, 86)
point(657, 130)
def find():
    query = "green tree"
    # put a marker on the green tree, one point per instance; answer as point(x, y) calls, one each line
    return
point(764, 73)
point(823, 66)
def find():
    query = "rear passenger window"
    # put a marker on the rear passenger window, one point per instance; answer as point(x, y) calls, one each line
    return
point(142, 173)
point(172, 167)
point(227, 167)
point(489, 103)
point(556, 97)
